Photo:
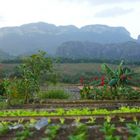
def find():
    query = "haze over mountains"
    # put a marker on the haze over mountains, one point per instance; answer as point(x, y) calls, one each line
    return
point(91, 41)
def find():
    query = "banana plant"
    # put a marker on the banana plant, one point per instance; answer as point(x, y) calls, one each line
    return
point(118, 77)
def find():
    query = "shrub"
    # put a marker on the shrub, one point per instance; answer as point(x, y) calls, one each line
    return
point(31, 71)
point(104, 93)
point(114, 85)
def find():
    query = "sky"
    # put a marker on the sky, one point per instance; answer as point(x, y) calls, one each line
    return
point(72, 12)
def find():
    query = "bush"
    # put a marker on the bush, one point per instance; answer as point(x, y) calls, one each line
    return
point(105, 93)
point(54, 94)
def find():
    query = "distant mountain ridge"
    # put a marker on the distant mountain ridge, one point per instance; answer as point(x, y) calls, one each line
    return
point(29, 38)
point(77, 50)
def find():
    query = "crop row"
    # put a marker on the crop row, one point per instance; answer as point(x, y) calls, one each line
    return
point(79, 104)
point(44, 129)
point(69, 112)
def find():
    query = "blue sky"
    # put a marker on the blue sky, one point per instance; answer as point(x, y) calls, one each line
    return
point(77, 12)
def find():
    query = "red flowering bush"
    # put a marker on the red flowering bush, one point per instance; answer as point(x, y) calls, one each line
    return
point(114, 85)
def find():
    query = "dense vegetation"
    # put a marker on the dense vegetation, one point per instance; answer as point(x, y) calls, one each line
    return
point(71, 70)
point(24, 86)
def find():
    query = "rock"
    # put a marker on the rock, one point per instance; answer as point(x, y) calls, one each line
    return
point(41, 123)
point(16, 126)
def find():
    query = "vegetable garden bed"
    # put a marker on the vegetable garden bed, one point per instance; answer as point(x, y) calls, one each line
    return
point(74, 131)
point(109, 104)
point(71, 114)
point(120, 118)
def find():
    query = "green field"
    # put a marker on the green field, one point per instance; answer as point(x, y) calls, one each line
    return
point(71, 72)
point(74, 71)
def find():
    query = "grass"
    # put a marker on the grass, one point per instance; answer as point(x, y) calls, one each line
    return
point(73, 71)
point(73, 68)
point(3, 104)
point(54, 94)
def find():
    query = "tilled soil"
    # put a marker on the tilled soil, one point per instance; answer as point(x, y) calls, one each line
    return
point(65, 131)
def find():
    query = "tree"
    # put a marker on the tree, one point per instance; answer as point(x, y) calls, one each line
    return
point(31, 70)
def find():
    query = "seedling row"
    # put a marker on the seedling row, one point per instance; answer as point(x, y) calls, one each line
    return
point(45, 129)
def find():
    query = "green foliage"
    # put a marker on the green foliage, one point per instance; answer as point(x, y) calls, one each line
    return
point(113, 86)
point(134, 130)
point(62, 120)
point(85, 92)
point(3, 104)
point(106, 93)
point(118, 77)
point(2, 89)
point(91, 120)
point(51, 132)
point(70, 112)
point(109, 72)
point(81, 133)
point(23, 135)
point(108, 130)
point(3, 128)
point(31, 72)
point(54, 94)
point(6, 85)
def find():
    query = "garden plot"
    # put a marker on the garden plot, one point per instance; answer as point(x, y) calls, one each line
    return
point(44, 129)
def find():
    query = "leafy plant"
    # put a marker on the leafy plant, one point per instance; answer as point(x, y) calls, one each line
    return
point(69, 112)
point(134, 130)
point(51, 132)
point(109, 129)
point(84, 93)
point(77, 120)
point(6, 84)
point(108, 119)
point(62, 120)
point(114, 86)
point(23, 135)
point(118, 77)
point(91, 120)
point(121, 119)
point(81, 133)
point(4, 128)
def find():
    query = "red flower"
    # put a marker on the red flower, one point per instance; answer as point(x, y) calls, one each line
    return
point(82, 80)
point(102, 83)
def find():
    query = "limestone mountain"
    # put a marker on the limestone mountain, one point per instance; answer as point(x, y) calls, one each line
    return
point(75, 49)
point(29, 38)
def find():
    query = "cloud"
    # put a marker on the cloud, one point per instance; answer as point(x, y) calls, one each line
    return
point(101, 2)
point(113, 12)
